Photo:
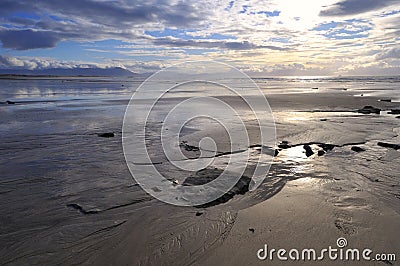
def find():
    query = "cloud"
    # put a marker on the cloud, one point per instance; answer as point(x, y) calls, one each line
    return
point(90, 20)
point(176, 13)
point(375, 69)
point(352, 7)
point(48, 22)
point(232, 45)
point(393, 53)
point(28, 39)
point(294, 69)
point(10, 62)
point(7, 61)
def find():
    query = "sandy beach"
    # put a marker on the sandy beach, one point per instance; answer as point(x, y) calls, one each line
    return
point(67, 196)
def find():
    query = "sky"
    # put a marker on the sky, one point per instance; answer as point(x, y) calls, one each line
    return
point(260, 37)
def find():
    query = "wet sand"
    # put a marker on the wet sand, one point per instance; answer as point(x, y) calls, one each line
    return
point(67, 196)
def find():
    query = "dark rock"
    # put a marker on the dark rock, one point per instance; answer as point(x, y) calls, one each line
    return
point(394, 112)
point(357, 149)
point(106, 135)
point(321, 152)
point(10, 102)
point(315, 88)
point(386, 100)
point(284, 145)
point(369, 110)
point(323, 119)
point(308, 149)
point(276, 152)
point(397, 116)
point(81, 209)
point(207, 175)
point(326, 147)
point(389, 145)
point(188, 147)
point(199, 213)
point(345, 89)
point(252, 230)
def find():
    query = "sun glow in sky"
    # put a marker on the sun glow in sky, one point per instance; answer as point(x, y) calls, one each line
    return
point(267, 37)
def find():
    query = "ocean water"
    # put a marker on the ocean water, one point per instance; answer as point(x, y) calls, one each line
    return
point(60, 183)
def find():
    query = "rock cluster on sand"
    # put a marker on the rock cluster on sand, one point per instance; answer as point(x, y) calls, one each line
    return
point(369, 110)
point(307, 147)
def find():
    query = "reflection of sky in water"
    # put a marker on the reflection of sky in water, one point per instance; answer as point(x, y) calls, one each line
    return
point(372, 86)
point(59, 89)
point(70, 88)
point(294, 117)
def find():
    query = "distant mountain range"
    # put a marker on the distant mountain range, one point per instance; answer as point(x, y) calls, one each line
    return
point(85, 72)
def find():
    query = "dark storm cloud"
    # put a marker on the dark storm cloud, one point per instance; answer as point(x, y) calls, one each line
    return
point(351, 7)
point(86, 20)
point(232, 45)
point(9, 6)
point(28, 39)
point(101, 12)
